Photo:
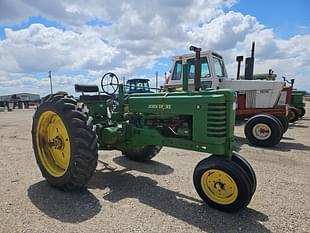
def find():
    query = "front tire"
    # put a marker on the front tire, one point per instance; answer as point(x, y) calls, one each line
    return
point(246, 166)
point(284, 122)
point(222, 184)
point(263, 130)
point(302, 111)
point(293, 114)
point(64, 142)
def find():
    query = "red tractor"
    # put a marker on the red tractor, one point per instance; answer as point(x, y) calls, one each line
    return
point(257, 101)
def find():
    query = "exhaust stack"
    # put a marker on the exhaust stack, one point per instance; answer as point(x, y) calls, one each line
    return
point(239, 59)
point(197, 66)
point(249, 65)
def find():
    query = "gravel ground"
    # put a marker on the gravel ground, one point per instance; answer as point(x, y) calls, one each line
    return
point(158, 196)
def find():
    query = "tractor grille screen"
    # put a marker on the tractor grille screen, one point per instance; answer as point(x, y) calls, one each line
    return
point(216, 120)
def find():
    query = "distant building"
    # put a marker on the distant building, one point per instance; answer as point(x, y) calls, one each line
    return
point(21, 97)
point(20, 100)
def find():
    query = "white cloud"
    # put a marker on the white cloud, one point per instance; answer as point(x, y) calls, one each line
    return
point(136, 36)
point(225, 31)
point(12, 83)
point(231, 34)
point(39, 48)
point(14, 11)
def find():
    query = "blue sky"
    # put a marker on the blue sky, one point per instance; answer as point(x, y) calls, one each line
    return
point(26, 23)
point(287, 18)
point(80, 42)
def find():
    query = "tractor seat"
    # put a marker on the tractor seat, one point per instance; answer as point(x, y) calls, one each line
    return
point(86, 88)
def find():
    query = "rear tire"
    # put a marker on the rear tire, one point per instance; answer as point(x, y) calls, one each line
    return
point(222, 184)
point(142, 153)
point(64, 142)
point(263, 130)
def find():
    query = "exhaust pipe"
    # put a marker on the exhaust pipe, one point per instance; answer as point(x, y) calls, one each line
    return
point(249, 65)
point(197, 67)
point(239, 59)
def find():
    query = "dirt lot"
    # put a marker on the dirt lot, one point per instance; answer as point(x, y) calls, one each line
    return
point(153, 197)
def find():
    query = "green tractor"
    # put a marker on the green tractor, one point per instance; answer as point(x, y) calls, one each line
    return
point(138, 85)
point(67, 134)
point(263, 76)
point(298, 101)
point(297, 104)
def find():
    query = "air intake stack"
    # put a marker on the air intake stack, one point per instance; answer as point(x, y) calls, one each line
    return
point(249, 65)
point(197, 67)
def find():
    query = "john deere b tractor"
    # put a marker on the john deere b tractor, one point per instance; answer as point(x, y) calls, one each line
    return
point(68, 132)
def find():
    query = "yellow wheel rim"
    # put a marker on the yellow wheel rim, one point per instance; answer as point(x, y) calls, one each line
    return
point(53, 143)
point(219, 186)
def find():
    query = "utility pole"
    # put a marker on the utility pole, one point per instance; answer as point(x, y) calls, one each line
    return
point(156, 80)
point(51, 83)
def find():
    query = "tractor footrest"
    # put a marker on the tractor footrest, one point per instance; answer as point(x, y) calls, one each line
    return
point(86, 88)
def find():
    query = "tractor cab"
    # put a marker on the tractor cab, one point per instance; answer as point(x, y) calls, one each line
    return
point(137, 85)
point(256, 93)
point(213, 70)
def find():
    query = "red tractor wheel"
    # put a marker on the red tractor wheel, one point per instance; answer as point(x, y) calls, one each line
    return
point(293, 114)
point(302, 111)
point(284, 122)
point(263, 130)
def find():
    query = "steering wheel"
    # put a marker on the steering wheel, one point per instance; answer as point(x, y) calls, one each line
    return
point(109, 81)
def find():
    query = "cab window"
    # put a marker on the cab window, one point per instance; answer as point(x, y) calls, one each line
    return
point(205, 72)
point(145, 86)
point(219, 67)
point(137, 86)
point(177, 71)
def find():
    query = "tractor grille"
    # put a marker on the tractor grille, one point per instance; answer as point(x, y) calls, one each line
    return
point(216, 120)
point(250, 99)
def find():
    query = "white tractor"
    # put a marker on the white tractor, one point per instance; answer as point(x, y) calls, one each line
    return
point(257, 99)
